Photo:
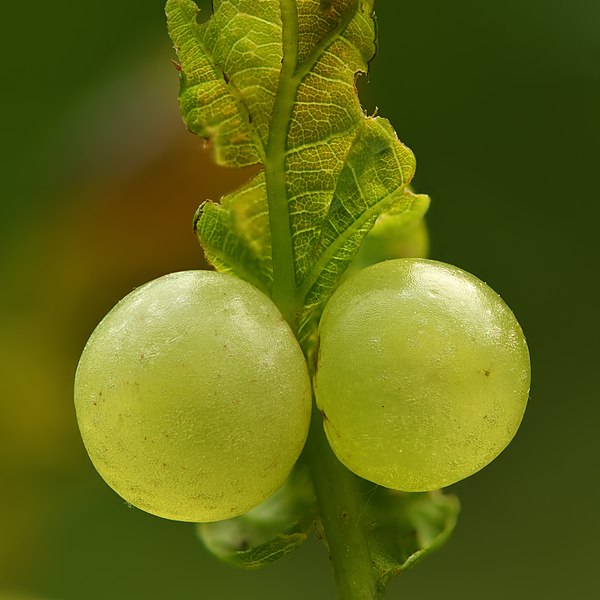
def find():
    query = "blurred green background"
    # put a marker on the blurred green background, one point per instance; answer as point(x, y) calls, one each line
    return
point(500, 102)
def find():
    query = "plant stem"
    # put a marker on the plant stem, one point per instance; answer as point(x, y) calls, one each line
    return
point(341, 505)
point(338, 491)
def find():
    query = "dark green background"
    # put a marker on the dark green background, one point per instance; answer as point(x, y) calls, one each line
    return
point(499, 101)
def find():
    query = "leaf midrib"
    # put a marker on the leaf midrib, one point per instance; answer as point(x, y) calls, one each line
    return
point(284, 291)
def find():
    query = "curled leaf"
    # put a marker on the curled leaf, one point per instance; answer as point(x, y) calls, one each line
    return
point(268, 532)
point(405, 527)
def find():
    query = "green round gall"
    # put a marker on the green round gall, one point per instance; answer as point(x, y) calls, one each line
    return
point(423, 374)
point(193, 397)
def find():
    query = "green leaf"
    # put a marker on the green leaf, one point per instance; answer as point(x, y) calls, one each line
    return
point(235, 234)
point(273, 83)
point(405, 527)
point(212, 55)
point(372, 179)
point(268, 532)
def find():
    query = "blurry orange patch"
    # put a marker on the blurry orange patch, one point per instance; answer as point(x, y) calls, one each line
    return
point(106, 238)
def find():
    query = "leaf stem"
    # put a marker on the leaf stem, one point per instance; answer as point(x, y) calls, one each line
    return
point(284, 277)
point(341, 504)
